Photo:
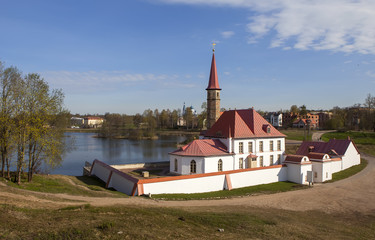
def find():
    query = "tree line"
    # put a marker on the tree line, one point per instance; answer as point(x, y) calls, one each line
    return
point(145, 125)
point(32, 124)
point(356, 117)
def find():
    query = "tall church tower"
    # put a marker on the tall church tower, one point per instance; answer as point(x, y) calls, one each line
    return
point(213, 95)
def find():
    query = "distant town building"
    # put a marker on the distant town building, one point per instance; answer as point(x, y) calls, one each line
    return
point(304, 123)
point(93, 122)
point(76, 122)
point(276, 119)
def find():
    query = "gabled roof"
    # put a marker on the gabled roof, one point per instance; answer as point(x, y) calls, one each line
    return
point(202, 148)
point(213, 82)
point(246, 123)
point(333, 146)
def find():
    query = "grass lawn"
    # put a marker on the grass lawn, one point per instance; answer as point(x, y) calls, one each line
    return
point(259, 189)
point(132, 222)
point(348, 172)
point(83, 185)
point(296, 134)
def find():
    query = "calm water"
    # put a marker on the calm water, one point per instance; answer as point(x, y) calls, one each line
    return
point(114, 151)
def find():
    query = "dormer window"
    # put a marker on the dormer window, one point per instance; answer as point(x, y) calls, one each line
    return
point(267, 128)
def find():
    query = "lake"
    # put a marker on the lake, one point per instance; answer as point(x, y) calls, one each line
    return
point(114, 151)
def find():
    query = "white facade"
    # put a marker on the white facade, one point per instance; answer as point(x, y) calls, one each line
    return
point(276, 120)
point(269, 152)
point(351, 157)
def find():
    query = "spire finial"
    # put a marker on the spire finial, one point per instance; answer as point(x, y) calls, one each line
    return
point(213, 46)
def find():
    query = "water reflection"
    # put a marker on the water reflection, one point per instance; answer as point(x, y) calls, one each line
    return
point(115, 151)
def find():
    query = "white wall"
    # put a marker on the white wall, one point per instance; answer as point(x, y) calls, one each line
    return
point(100, 171)
point(121, 184)
point(336, 166)
point(297, 172)
point(266, 153)
point(323, 170)
point(351, 157)
point(190, 185)
point(256, 177)
point(211, 163)
point(184, 164)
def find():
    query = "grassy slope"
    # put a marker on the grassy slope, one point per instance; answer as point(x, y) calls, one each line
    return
point(88, 222)
point(84, 186)
point(296, 134)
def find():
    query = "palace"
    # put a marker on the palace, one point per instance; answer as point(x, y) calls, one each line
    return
point(239, 149)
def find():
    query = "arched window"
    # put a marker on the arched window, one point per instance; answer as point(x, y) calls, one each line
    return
point(175, 165)
point(220, 165)
point(193, 166)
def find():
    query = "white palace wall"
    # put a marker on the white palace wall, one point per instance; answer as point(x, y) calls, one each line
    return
point(188, 183)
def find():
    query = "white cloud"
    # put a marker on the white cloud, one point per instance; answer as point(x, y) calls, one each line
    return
point(227, 34)
point(337, 25)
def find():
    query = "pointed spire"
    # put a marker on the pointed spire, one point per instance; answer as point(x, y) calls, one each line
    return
point(213, 83)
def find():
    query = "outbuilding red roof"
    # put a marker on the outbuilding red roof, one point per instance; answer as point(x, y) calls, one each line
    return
point(202, 147)
point(333, 146)
point(294, 159)
point(213, 82)
point(315, 155)
point(245, 123)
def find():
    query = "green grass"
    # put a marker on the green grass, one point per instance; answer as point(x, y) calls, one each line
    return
point(296, 134)
point(133, 222)
point(84, 186)
point(365, 138)
point(259, 189)
point(348, 172)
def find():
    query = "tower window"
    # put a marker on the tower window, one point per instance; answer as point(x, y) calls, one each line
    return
point(217, 94)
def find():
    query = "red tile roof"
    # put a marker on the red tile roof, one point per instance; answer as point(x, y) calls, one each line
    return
point(213, 83)
point(312, 121)
point(246, 123)
point(314, 155)
point(333, 146)
point(294, 159)
point(202, 147)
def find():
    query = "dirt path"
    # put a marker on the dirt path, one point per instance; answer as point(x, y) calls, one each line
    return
point(354, 194)
point(317, 135)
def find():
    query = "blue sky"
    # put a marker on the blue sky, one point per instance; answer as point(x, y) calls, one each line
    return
point(128, 56)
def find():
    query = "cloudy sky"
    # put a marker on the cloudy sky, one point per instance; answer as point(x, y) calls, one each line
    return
point(128, 56)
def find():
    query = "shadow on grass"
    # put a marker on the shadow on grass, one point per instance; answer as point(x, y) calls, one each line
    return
point(94, 183)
